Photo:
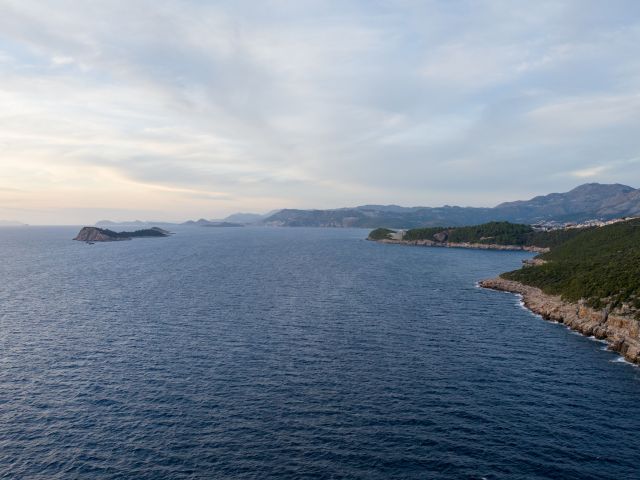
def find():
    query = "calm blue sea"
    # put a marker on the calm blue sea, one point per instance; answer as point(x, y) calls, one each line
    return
point(293, 353)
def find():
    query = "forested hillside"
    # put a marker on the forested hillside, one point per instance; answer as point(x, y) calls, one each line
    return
point(499, 233)
point(600, 265)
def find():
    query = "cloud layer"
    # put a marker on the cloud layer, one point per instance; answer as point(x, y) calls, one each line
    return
point(176, 109)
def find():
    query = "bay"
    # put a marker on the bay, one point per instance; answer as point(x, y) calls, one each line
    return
point(293, 353)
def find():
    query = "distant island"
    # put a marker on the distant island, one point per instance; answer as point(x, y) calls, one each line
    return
point(95, 234)
point(587, 278)
point(12, 223)
point(216, 224)
point(234, 220)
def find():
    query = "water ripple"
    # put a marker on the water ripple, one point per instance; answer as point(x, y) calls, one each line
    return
point(293, 353)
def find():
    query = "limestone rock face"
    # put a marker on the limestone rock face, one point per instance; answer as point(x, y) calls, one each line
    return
point(95, 234)
point(441, 236)
point(621, 332)
point(533, 262)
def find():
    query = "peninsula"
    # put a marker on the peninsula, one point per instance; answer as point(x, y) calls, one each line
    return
point(586, 278)
point(488, 236)
point(95, 234)
point(590, 282)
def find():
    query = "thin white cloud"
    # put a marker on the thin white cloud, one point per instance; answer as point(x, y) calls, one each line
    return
point(313, 103)
point(590, 112)
point(590, 172)
point(627, 164)
point(62, 60)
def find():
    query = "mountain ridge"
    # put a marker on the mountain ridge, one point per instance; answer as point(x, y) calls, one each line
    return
point(584, 202)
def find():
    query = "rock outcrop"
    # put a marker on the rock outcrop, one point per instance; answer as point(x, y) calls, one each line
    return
point(621, 332)
point(533, 262)
point(95, 234)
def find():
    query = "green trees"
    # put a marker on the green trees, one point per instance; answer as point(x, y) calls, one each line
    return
point(380, 234)
point(499, 233)
point(600, 265)
point(422, 233)
point(502, 233)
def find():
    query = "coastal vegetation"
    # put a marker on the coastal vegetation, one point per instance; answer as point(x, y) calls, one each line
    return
point(600, 266)
point(381, 234)
point(148, 232)
point(491, 233)
point(502, 233)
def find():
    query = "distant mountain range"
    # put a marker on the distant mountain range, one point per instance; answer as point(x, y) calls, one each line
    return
point(211, 223)
point(588, 201)
point(11, 223)
point(234, 220)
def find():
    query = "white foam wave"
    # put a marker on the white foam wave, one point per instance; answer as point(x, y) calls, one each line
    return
point(599, 340)
point(621, 359)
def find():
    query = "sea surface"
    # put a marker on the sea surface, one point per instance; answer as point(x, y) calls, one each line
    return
point(293, 353)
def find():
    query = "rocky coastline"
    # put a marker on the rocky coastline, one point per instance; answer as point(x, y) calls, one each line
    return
point(477, 246)
point(621, 332)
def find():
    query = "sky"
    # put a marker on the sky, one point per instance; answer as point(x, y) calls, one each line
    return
point(171, 110)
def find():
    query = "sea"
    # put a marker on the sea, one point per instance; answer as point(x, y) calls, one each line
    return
point(293, 353)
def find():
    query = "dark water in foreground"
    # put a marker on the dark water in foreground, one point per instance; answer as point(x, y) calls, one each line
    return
point(293, 353)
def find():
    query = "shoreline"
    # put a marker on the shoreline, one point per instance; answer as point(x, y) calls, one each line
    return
point(621, 333)
point(475, 246)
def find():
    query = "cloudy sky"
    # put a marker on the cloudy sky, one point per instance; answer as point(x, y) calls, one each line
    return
point(171, 110)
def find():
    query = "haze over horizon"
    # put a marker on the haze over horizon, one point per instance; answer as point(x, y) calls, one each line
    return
point(176, 110)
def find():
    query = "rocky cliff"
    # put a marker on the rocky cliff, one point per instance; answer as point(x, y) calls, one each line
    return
point(621, 332)
point(94, 234)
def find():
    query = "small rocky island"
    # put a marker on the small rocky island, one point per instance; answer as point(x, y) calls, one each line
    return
point(96, 234)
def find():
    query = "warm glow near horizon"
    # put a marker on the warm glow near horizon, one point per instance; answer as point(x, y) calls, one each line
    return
point(177, 110)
